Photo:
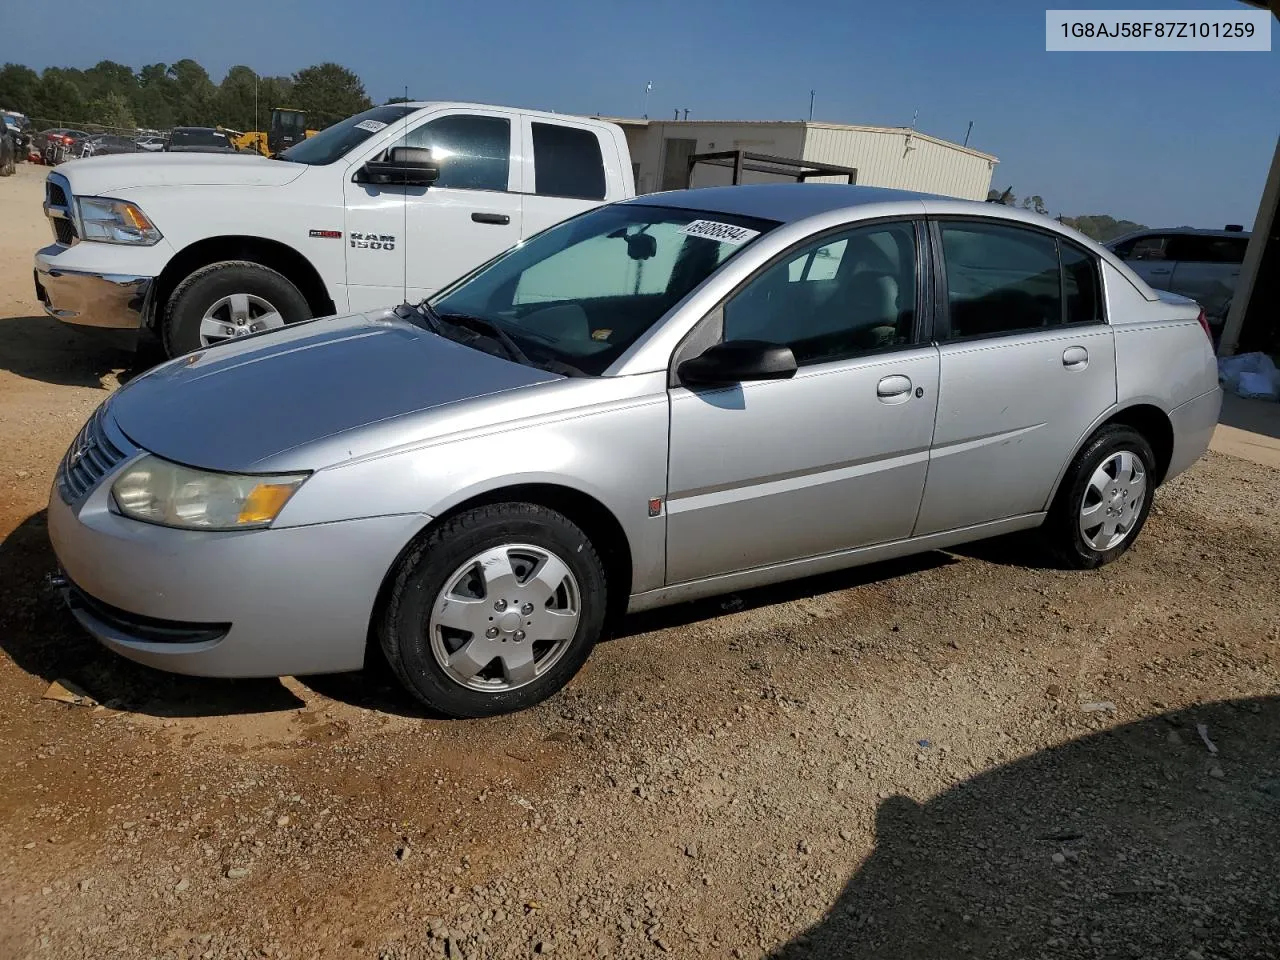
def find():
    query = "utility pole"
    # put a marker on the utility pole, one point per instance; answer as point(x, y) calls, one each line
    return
point(648, 88)
point(967, 132)
point(686, 113)
point(812, 94)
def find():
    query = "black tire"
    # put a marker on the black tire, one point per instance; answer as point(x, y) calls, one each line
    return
point(1061, 533)
point(403, 628)
point(180, 330)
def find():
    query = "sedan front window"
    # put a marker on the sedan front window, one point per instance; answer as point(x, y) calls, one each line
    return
point(583, 292)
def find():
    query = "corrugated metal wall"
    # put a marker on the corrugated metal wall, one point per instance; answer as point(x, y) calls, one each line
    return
point(902, 160)
point(883, 157)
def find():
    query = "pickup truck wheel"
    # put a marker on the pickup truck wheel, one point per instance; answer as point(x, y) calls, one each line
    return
point(227, 300)
point(494, 610)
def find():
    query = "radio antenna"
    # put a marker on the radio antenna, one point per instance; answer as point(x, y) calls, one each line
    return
point(404, 197)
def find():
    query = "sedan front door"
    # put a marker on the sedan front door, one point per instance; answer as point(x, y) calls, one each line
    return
point(835, 458)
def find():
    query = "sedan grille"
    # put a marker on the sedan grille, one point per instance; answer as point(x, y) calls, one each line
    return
point(88, 460)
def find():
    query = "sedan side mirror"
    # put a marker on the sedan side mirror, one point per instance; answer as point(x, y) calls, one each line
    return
point(737, 361)
point(404, 166)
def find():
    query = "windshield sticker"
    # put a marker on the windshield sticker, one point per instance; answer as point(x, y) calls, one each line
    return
point(723, 232)
point(373, 126)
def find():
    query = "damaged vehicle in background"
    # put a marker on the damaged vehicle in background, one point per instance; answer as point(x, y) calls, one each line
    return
point(680, 395)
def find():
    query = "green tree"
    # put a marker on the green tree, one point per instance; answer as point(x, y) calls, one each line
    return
point(1102, 227)
point(1005, 196)
point(328, 92)
point(1035, 203)
point(58, 98)
point(109, 77)
point(111, 110)
point(195, 97)
point(19, 87)
point(238, 99)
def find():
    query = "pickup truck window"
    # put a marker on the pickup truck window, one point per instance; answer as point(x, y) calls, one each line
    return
point(585, 290)
point(335, 142)
point(474, 152)
point(567, 162)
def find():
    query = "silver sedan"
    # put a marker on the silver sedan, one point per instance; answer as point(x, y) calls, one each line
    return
point(677, 396)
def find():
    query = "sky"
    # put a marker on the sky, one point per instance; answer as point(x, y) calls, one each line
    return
point(1161, 138)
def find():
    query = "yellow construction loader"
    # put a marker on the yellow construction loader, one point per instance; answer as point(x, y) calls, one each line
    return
point(288, 126)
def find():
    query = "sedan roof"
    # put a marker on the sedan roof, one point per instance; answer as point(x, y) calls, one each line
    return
point(784, 202)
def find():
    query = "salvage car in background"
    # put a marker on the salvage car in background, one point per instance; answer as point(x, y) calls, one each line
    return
point(105, 144)
point(655, 401)
point(1201, 264)
point(198, 140)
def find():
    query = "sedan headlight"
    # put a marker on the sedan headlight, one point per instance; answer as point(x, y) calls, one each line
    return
point(172, 495)
point(115, 221)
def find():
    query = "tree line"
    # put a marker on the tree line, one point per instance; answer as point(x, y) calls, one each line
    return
point(1097, 226)
point(164, 95)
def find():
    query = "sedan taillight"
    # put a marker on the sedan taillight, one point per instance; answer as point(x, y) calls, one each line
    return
point(1204, 325)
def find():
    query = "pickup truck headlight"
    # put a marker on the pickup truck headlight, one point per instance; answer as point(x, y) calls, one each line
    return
point(115, 221)
point(158, 491)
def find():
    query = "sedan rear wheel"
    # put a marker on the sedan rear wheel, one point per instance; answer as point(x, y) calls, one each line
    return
point(494, 609)
point(1104, 499)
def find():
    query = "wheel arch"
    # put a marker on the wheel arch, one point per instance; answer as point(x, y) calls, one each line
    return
point(273, 254)
point(1145, 416)
point(595, 519)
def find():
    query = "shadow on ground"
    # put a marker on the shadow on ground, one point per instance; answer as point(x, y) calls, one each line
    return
point(1135, 842)
point(42, 638)
point(41, 348)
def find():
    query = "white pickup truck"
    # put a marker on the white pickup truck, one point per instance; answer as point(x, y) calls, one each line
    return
point(392, 203)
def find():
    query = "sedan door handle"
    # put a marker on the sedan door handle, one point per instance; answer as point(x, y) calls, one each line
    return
point(1075, 358)
point(894, 389)
point(500, 219)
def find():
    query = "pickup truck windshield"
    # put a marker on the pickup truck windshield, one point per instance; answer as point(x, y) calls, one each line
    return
point(333, 143)
point(582, 292)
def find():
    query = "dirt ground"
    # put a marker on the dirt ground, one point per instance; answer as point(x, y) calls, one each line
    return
point(959, 755)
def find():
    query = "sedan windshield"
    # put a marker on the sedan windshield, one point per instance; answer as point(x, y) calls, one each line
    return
point(333, 143)
point(584, 291)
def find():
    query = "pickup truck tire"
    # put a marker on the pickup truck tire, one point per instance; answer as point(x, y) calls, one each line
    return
point(494, 610)
point(206, 287)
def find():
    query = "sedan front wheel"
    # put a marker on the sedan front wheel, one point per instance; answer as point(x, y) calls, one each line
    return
point(494, 610)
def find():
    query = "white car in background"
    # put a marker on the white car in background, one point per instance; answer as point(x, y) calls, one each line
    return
point(151, 144)
point(1201, 264)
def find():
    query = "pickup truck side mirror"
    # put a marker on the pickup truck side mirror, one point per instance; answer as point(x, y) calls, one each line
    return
point(404, 166)
point(737, 361)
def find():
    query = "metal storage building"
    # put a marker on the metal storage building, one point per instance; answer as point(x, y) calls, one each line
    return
point(897, 157)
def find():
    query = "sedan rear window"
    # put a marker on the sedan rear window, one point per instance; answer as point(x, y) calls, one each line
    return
point(584, 291)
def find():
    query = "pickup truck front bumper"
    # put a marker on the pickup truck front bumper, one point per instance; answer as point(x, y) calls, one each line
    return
point(112, 301)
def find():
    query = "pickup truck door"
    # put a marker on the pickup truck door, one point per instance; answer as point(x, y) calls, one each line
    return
point(569, 167)
point(438, 233)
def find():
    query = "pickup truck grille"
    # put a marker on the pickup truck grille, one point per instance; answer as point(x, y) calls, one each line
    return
point(64, 231)
point(87, 461)
point(59, 207)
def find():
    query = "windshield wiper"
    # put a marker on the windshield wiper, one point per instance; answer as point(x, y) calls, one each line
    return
point(485, 328)
point(421, 314)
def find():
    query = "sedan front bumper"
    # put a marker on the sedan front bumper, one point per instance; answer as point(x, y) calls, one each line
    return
point(254, 603)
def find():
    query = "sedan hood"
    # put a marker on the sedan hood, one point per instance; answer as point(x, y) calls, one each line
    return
point(101, 175)
point(234, 406)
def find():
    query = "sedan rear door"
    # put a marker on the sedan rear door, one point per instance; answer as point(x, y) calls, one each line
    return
point(1027, 364)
